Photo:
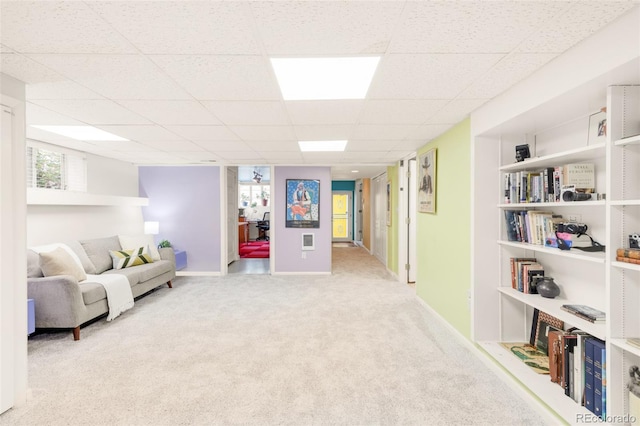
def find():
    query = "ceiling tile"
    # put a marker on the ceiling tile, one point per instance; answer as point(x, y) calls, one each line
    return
point(167, 112)
point(203, 133)
point(428, 76)
point(26, 69)
point(115, 76)
point(510, 70)
point(123, 146)
point(250, 113)
point(335, 28)
point(93, 111)
point(174, 146)
point(382, 131)
point(275, 146)
point(456, 111)
point(470, 26)
point(198, 156)
point(321, 133)
point(241, 157)
point(324, 112)
point(222, 77)
point(396, 111)
point(35, 114)
point(282, 157)
point(580, 21)
point(58, 27)
point(59, 90)
point(170, 27)
point(426, 132)
point(5, 49)
point(409, 145)
point(142, 133)
point(221, 146)
point(264, 133)
point(363, 145)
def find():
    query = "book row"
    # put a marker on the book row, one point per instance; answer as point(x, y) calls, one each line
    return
point(524, 273)
point(548, 184)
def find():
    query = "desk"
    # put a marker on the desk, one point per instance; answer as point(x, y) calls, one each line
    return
point(243, 232)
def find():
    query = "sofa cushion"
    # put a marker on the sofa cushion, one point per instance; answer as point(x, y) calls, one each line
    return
point(92, 292)
point(60, 262)
point(132, 242)
point(128, 258)
point(77, 248)
point(149, 272)
point(98, 251)
point(33, 265)
point(132, 274)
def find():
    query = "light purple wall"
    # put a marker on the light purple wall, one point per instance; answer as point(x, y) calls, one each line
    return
point(288, 241)
point(186, 202)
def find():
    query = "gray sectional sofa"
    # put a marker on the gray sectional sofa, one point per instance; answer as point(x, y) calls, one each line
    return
point(62, 301)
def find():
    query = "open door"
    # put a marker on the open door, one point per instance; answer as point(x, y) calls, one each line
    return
point(341, 218)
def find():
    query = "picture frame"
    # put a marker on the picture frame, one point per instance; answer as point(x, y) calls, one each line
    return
point(541, 325)
point(427, 185)
point(302, 203)
point(597, 127)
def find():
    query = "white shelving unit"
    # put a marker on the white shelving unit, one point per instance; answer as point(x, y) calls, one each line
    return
point(49, 197)
point(502, 314)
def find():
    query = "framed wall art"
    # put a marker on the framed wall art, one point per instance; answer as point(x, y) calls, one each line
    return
point(598, 127)
point(303, 203)
point(427, 182)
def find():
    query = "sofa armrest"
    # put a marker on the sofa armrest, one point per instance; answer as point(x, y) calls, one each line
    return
point(167, 253)
point(58, 301)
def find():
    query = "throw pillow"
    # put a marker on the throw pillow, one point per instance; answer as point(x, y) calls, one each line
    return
point(60, 262)
point(135, 241)
point(128, 258)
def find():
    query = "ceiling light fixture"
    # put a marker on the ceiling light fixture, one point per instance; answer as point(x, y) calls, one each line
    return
point(324, 78)
point(322, 146)
point(81, 133)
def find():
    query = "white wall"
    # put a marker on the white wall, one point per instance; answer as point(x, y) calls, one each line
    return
point(13, 274)
point(46, 223)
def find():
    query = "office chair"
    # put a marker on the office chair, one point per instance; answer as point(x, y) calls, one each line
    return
point(263, 227)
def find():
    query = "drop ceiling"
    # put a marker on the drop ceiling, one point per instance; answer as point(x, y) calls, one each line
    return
point(191, 81)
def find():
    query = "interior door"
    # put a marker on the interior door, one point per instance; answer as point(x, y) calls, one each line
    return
point(232, 215)
point(411, 227)
point(341, 218)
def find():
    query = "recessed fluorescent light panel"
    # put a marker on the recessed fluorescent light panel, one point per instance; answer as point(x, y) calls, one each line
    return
point(82, 133)
point(322, 146)
point(324, 78)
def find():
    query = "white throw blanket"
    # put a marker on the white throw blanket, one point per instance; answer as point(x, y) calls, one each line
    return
point(119, 296)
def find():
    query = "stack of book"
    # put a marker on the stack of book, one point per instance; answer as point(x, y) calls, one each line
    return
point(524, 273)
point(628, 255)
point(585, 312)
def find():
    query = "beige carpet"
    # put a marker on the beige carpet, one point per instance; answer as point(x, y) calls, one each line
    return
point(353, 348)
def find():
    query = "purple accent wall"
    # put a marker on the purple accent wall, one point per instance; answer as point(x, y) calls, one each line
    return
point(288, 241)
point(186, 202)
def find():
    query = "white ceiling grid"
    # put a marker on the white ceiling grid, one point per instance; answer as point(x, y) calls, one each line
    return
point(191, 81)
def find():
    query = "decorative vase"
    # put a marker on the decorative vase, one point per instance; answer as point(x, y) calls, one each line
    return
point(546, 287)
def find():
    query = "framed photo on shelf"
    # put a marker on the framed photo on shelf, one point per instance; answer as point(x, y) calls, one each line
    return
point(303, 203)
point(427, 182)
point(597, 127)
point(542, 323)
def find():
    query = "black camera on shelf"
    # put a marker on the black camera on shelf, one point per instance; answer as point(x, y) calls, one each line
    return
point(575, 196)
point(634, 241)
point(571, 228)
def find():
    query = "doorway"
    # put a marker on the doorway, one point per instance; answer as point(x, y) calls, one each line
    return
point(341, 216)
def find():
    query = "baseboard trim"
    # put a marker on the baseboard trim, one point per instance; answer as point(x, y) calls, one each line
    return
point(198, 273)
point(535, 403)
point(301, 273)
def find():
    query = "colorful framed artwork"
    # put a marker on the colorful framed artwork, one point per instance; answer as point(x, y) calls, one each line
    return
point(303, 203)
point(427, 182)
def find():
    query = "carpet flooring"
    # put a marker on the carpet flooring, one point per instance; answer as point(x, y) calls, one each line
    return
point(254, 249)
point(351, 348)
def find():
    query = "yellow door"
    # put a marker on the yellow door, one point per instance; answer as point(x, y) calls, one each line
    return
point(341, 225)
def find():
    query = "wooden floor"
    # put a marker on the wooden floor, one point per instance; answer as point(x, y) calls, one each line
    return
point(249, 266)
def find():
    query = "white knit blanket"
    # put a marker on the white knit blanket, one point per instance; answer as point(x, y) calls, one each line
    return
point(119, 296)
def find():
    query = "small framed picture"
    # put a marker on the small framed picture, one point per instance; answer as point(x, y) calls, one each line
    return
point(427, 182)
point(597, 127)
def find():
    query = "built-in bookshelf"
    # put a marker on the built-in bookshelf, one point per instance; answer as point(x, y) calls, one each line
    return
point(504, 314)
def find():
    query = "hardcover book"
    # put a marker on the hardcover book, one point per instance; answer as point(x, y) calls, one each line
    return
point(581, 175)
point(631, 253)
point(585, 312)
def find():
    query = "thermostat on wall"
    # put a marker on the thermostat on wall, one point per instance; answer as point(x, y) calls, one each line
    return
point(308, 242)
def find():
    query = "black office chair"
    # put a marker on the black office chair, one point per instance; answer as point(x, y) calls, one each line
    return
point(263, 227)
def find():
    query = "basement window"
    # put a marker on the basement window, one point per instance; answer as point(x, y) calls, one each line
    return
point(51, 168)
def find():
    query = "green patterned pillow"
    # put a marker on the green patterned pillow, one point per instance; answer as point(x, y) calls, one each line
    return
point(127, 258)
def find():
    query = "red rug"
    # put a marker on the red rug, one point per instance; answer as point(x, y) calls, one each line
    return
point(255, 249)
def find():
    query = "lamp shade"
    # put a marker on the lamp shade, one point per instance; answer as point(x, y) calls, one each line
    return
point(152, 228)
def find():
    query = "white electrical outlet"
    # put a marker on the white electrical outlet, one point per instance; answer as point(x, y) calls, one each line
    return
point(575, 218)
point(304, 254)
